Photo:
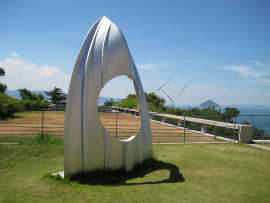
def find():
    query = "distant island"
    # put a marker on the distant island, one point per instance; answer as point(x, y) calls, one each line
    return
point(209, 103)
point(103, 99)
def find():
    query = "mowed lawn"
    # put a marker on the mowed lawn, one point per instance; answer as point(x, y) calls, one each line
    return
point(188, 173)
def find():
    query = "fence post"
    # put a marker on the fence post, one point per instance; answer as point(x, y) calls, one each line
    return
point(234, 130)
point(215, 136)
point(184, 129)
point(251, 124)
point(116, 124)
point(42, 122)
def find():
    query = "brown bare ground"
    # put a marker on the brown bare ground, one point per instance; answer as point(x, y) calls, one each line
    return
point(28, 124)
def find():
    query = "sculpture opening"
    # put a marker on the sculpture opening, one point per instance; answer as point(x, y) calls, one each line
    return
point(125, 124)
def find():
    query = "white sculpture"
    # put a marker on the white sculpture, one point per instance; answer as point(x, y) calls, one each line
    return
point(87, 144)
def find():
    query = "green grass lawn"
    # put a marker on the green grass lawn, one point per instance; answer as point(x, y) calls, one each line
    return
point(186, 173)
point(25, 114)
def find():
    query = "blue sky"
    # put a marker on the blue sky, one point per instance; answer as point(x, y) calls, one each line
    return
point(224, 45)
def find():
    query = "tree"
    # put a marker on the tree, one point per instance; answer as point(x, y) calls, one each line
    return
point(8, 106)
point(151, 97)
point(7, 103)
point(3, 87)
point(2, 72)
point(229, 114)
point(131, 96)
point(31, 100)
point(26, 94)
point(57, 95)
point(41, 96)
point(108, 102)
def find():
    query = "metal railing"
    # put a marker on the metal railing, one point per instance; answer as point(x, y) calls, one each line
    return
point(213, 127)
point(29, 122)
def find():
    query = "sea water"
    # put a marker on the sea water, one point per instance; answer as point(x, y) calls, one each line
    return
point(256, 116)
point(259, 116)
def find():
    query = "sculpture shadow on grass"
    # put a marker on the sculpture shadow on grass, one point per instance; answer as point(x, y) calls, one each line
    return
point(120, 177)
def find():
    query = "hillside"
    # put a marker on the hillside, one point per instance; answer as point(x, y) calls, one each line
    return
point(16, 95)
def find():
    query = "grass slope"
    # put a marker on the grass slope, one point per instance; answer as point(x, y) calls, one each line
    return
point(185, 173)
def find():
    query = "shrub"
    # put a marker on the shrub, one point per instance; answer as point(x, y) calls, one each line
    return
point(45, 138)
point(129, 103)
point(7, 102)
point(33, 104)
point(108, 102)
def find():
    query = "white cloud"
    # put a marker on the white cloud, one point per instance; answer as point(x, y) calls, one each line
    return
point(265, 81)
point(14, 54)
point(243, 70)
point(246, 71)
point(117, 84)
point(153, 67)
point(205, 87)
point(259, 64)
point(20, 74)
point(256, 82)
point(2, 46)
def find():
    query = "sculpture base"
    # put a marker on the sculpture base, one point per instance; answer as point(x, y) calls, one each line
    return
point(59, 173)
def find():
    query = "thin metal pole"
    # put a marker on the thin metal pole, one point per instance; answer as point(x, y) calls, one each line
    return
point(184, 129)
point(250, 120)
point(116, 124)
point(42, 121)
point(167, 96)
point(234, 129)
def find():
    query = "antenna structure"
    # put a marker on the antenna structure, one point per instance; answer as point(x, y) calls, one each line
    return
point(181, 92)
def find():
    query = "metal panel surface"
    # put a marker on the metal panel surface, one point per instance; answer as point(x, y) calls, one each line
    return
point(88, 146)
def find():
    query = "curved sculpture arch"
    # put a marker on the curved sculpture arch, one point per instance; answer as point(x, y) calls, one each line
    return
point(87, 144)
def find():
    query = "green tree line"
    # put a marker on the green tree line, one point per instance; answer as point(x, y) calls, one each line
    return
point(9, 105)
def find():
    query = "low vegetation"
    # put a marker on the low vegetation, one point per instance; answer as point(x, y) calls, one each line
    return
point(45, 138)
